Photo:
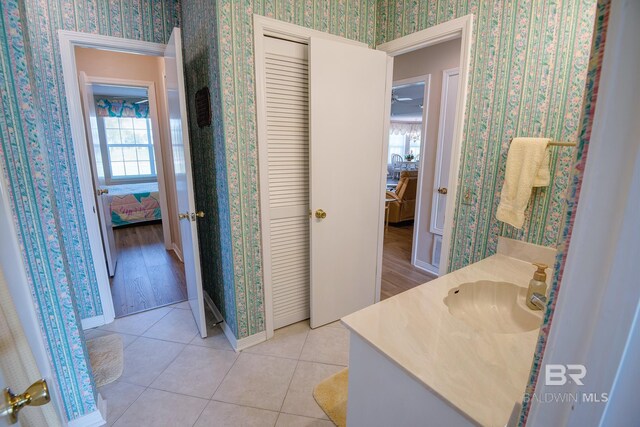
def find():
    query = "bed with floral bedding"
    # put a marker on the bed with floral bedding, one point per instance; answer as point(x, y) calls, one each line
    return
point(134, 203)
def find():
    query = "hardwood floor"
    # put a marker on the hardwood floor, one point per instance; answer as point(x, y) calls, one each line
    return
point(398, 275)
point(147, 276)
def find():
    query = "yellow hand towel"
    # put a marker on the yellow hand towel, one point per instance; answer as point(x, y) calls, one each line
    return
point(527, 167)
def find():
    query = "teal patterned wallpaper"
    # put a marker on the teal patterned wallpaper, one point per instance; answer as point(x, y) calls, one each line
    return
point(528, 69)
point(138, 19)
point(37, 161)
point(240, 272)
point(201, 61)
point(594, 69)
point(528, 72)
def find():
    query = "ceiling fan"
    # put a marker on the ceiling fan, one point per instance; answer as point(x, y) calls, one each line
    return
point(395, 98)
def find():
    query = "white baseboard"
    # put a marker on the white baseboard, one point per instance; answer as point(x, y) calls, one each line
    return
point(178, 252)
point(93, 322)
point(94, 419)
point(426, 267)
point(237, 344)
point(251, 340)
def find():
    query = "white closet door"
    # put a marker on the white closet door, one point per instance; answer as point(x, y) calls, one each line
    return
point(347, 101)
point(287, 118)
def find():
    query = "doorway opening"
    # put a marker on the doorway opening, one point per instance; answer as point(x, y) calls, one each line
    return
point(124, 140)
point(165, 151)
point(424, 105)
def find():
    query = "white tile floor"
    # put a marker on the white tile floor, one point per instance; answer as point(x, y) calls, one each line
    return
point(172, 377)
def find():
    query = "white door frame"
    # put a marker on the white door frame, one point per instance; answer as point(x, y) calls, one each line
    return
point(440, 144)
point(263, 26)
point(426, 78)
point(456, 28)
point(69, 40)
point(157, 145)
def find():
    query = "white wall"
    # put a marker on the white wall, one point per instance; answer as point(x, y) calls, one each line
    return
point(429, 60)
point(108, 64)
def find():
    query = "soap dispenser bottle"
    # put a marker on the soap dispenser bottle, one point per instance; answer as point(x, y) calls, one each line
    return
point(537, 285)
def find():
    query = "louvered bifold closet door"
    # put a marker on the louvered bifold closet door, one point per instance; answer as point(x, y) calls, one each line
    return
point(287, 117)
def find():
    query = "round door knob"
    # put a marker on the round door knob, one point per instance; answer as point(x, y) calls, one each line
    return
point(200, 214)
point(442, 190)
point(320, 214)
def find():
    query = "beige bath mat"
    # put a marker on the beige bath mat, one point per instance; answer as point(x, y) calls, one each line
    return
point(106, 355)
point(331, 395)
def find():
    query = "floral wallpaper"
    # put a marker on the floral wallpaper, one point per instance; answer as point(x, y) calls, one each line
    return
point(529, 65)
point(235, 149)
point(36, 154)
point(208, 148)
point(577, 173)
point(528, 68)
point(529, 62)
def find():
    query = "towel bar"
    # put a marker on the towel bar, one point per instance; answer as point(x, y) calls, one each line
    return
point(557, 143)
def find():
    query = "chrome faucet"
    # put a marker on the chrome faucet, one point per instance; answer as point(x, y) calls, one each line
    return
point(539, 301)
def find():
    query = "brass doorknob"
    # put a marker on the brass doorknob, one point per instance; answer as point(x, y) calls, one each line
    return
point(320, 214)
point(37, 394)
point(442, 190)
point(183, 215)
point(101, 191)
point(198, 214)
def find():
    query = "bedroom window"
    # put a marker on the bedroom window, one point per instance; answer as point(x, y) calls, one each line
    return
point(129, 147)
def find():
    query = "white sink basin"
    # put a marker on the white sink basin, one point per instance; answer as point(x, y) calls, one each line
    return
point(496, 307)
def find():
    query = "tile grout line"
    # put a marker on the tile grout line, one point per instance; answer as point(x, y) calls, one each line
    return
point(201, 412)
point(128, 406)
point(225, 375)
point(293, 375)
point(288, 387)
point(169, 364)
point(212, 397)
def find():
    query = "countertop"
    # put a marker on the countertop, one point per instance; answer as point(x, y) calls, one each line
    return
point(481, 374)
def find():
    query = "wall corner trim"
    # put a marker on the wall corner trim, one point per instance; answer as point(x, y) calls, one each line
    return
point(93, 419)
point(237, 344)
point(93, 322)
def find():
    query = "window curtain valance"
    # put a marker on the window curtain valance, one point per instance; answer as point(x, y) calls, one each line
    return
point(403, 128)
point(117, 107)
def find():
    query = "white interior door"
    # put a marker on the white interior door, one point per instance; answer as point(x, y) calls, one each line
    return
point(448, 103)
point(23, 358)
point(347, 105)
point(284, 172)
point(177, 109)
point(97, 168)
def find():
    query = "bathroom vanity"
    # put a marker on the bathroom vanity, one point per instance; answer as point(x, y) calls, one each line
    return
point(455, 351)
